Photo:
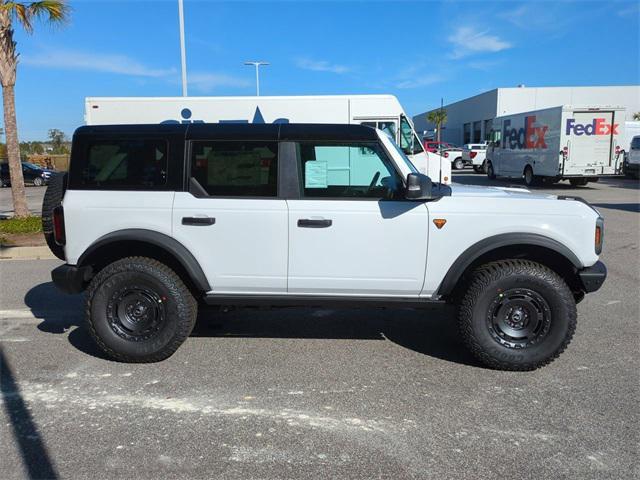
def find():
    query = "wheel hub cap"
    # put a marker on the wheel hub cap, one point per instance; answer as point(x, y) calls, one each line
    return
point(518, 318)
point(136, 312)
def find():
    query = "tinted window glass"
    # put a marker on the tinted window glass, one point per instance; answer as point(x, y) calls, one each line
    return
point(135, 163)
point(635, 143)
point(236, 169)
point(347, 170)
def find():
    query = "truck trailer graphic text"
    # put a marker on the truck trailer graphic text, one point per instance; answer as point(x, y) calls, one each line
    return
point(599, 126)
point(529, 136)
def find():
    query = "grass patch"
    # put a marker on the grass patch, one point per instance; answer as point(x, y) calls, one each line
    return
point(20, 225)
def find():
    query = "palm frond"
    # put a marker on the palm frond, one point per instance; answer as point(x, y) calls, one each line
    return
point(54, 11)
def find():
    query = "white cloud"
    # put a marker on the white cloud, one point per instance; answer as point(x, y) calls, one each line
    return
point(467, 41)
point(108, 63)
point(418, 81)
point(207, 81)
point(321, 66)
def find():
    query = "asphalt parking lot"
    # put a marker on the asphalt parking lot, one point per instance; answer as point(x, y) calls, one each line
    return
point(303, 393)
point(34, 200)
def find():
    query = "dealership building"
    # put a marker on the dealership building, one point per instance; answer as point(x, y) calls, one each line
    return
point(469, 120)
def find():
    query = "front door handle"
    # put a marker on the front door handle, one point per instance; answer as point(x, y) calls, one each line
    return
point(309, 223)
point(198, 221)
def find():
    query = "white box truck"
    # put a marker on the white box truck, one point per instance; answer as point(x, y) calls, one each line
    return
point(553, 144)
point(380, 111)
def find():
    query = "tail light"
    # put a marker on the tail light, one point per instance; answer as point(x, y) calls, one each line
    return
point(446, 154)
point(472, 154)
point(565, 151)
point(617, 149)
point(599, 236)
point(58, 226)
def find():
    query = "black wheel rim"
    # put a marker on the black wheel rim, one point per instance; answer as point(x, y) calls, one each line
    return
point(519, 318)
point(136, 312)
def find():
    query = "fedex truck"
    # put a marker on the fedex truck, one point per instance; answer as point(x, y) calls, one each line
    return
point(553, 144)
point(380, 111)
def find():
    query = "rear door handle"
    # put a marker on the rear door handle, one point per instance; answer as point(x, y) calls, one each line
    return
point(198, 221)
point(309, 223)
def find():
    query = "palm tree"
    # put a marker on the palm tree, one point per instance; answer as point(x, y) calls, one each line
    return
point(24, 13)
point(439, 118)
point(636, 116)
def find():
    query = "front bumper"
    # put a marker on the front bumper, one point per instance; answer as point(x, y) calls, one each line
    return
point(70, 278)
point(593, 277)
point(631, 167)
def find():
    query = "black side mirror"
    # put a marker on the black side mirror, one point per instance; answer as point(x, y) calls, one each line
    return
point(418, 187)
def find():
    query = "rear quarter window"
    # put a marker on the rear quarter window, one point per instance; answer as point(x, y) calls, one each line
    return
point(121, 164)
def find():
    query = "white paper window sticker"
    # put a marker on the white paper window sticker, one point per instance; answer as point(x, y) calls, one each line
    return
point(315, 174)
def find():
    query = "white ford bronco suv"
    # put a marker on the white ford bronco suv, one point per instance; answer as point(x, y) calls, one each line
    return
point(154, 219)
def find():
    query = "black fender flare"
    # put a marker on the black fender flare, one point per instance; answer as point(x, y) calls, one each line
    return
point(165, 242)
point(486, 245)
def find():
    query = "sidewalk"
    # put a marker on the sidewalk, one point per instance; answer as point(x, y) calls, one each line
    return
point(26, 253)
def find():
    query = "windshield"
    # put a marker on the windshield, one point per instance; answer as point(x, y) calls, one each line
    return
point(409, 142)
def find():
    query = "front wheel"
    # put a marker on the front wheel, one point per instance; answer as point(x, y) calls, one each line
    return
point(38, 182)
point(139, 310)
point(517, 315)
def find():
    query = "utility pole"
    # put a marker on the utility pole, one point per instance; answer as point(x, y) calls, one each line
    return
point(183, 54)
point(257, 65)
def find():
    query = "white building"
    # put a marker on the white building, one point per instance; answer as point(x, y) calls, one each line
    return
point(469, 120)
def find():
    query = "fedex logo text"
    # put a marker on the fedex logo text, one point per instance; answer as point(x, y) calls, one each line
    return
point(599, 126)
point(529, 136)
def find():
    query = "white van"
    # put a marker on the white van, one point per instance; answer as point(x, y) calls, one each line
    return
point(380, 111)
point(577, 144)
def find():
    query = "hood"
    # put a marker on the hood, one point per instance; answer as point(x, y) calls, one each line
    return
point(459, 190)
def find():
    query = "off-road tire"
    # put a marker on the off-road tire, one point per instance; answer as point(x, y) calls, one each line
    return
point(179, 306)
point(52, 198)
point(476, 315)
point(490, 172)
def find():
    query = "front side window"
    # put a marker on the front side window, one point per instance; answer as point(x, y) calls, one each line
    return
point(236, 169)
point(125, 163)
point(409, 142)
point(635, 143)
point(348, 170)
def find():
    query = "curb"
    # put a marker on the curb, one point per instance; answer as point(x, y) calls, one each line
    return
point(26, 253)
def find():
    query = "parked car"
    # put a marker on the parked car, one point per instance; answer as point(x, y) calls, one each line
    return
point(632, 162)
point(474, 154)
point(454, 154)
point(435, 146)
point(175, 215)
point(32, 174)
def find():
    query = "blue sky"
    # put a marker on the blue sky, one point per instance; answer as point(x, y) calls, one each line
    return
point(419, 51)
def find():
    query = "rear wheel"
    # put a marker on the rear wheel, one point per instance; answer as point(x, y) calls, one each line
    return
point(517, 315)
point(578, 182)
point(139, 310)
point(458, 164)
point(529, 178)
point(490, 173)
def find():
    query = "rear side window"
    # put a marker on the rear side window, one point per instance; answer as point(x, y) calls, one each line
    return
point(114, 164)
point(236, 168)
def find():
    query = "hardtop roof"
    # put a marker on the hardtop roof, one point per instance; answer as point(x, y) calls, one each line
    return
point(239, 131)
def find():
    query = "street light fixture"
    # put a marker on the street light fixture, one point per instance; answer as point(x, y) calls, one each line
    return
point(257, 65)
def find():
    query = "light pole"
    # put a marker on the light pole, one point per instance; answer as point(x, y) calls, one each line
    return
point(257, 65)
point(183, 53)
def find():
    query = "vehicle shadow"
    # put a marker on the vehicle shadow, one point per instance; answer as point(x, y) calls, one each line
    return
point(430, 331)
